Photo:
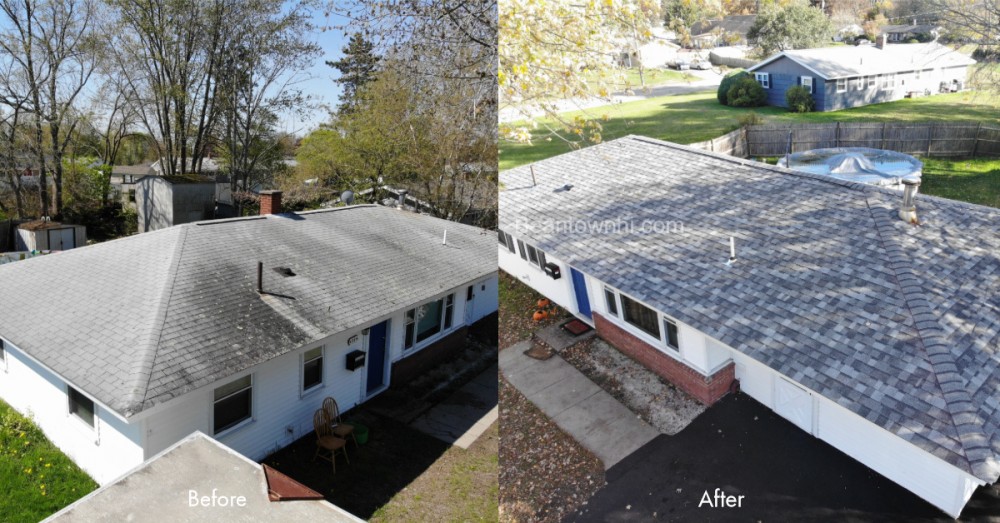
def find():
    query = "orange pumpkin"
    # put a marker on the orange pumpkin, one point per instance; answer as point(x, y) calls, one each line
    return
point(543, 303)
point(540, 315)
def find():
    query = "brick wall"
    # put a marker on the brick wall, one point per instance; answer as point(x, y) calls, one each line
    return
point(429, 357)
point(706, 389)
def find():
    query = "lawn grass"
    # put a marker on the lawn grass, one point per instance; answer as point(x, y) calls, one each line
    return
point(699, 116)
point(36, 479)
point(651, 77)
point(462, 485)
point(970, 180)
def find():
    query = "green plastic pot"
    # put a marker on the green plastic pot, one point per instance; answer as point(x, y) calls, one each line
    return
point(360, 432)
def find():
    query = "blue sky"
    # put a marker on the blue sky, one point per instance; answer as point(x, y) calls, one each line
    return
point(317, 81)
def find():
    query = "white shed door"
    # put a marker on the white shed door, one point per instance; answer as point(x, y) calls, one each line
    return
point(62, 239)
point(794, 404)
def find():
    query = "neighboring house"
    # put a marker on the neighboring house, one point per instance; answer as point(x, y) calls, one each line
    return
point(165, 201)
point(903, 33)
point(124, 177)
point(848, 76)
point(878, 337)
point(163, 486)
point(208, 166)
point(730, 30)
point(47, 235)
point(123, 348)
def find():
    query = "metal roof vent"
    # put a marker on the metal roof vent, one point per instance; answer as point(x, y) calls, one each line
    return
point(908, 211)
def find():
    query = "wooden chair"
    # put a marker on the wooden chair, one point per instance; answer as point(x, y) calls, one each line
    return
point(326, 440)
point(340, 429)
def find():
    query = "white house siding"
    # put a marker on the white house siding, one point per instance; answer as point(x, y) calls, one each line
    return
point(485, 300)
point(104, 451)
point(560, 291)
point(934, 480)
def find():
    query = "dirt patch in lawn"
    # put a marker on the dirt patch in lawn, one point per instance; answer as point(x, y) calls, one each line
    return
point(544, 473)
point(460, 486)
point(518, 303)
point(655, 400)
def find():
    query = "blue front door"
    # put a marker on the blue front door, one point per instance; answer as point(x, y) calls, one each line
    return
point(376, 356)
point(580, 288)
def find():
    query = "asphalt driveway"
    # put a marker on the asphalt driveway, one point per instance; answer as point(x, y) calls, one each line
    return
point(784, 474)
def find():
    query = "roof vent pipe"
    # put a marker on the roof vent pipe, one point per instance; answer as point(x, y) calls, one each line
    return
point(402, 198)
point(260, 277)
point(908, 211)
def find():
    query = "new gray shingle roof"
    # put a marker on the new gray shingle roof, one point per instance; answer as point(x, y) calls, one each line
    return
point(137, 321)
point(900, 324)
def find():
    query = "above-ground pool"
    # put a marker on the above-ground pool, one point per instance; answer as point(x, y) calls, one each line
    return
point(857, 164)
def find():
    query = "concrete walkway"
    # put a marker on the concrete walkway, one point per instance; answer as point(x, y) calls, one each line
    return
point(466, 414)
point(577, 405)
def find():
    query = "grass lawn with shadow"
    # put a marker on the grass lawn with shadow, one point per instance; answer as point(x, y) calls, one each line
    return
point(970, 180)
point(690, 118)
point(36, 478)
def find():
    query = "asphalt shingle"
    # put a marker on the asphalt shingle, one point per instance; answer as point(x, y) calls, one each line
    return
point(137, 321)
point(898, 323)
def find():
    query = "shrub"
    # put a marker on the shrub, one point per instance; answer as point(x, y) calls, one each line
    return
point(799, 99)
point(727, 83)
point(750, 118)
point(746, 92)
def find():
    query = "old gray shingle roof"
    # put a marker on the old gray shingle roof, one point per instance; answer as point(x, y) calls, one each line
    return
point(899, 324)
point(137, 321)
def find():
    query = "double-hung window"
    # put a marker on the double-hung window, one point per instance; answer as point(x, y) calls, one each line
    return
point(312, 369)
point(536, 256)
point(506, 240)
point(764, 79)
point(612, 300)
point(80, 406)
point(449, 308)
point(671, 328)
point(841, 85)
point(807, 82)
point(872, 80)
point(233, 404)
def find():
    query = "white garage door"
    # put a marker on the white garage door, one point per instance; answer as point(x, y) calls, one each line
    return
point(794, 404)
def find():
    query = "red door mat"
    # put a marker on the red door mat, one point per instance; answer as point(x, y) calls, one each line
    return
point(576, 327)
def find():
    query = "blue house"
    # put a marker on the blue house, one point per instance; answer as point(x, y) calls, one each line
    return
point(846, 76)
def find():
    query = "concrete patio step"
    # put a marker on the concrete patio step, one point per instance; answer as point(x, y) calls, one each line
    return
point(577, 405)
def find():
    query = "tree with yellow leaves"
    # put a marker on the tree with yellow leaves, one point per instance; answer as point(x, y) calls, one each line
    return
point(554, 50)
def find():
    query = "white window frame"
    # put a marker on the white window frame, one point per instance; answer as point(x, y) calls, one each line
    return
point(860, 83)
point(888, 81)
point(662, 344)
point(764, 79)
point(667, 323)
point(242, 423)
point(303, 390)
point(508, 240)
point(410, 342)
point(613, 302)
point(535, 256)
point(916, 74)
point(807, 81)
point(872, 81)
point(841, 85)
point(70, 413)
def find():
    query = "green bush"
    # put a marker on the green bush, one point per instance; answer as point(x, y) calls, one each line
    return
point(799, 99)
point(746, 92)
point(727, 83)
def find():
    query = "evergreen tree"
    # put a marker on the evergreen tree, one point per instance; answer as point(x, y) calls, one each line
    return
point(357, 68)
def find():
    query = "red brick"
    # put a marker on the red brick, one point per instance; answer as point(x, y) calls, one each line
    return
point(706, 389)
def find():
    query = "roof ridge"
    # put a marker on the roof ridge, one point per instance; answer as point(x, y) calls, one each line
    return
point(960, 407)
point(144, 371)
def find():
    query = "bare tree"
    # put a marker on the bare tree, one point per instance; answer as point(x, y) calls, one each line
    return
point(266, 49)
point(52, 44)
point(168, 54)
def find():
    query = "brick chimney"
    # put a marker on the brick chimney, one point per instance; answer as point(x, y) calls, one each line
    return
point(270, 202)
point(881, 40)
